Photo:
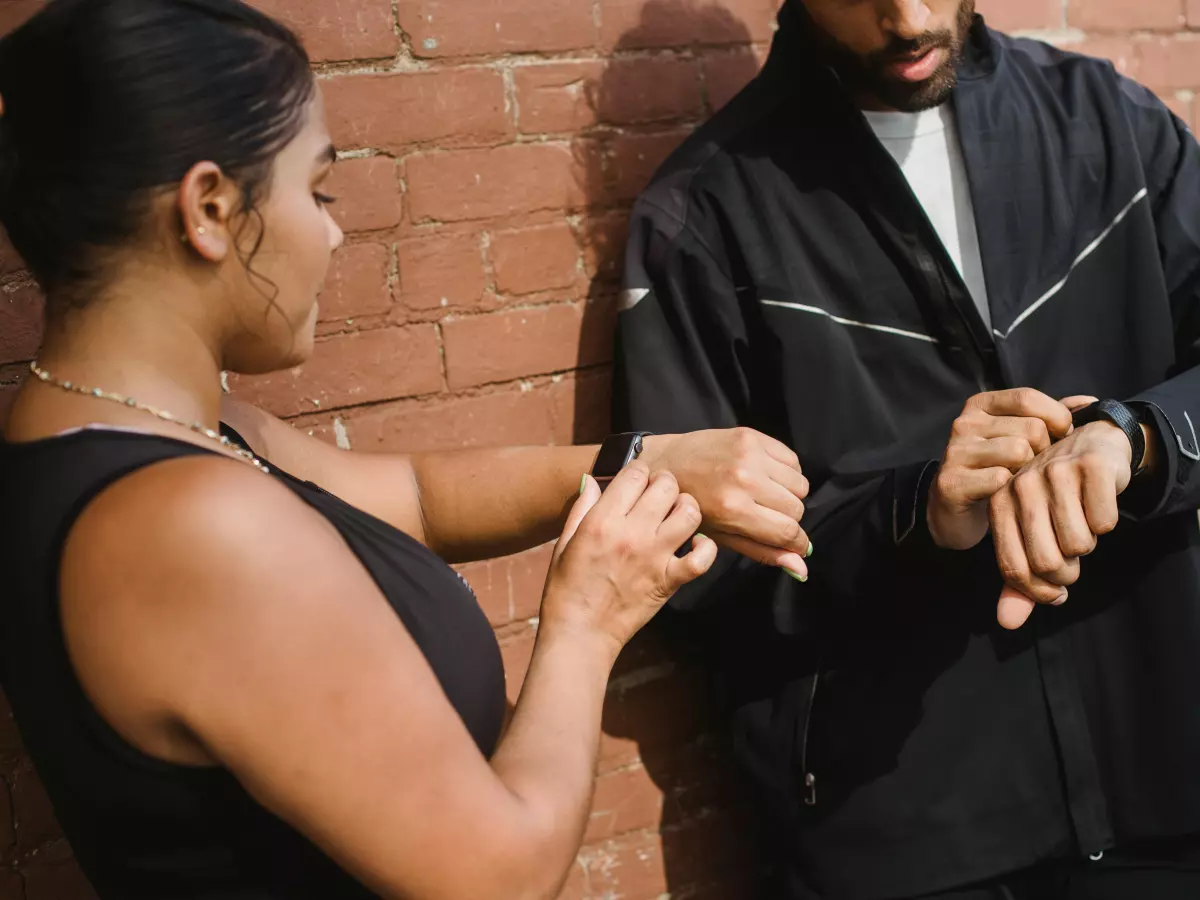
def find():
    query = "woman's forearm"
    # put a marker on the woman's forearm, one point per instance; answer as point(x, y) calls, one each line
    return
point(547, 758)
point(480, 504)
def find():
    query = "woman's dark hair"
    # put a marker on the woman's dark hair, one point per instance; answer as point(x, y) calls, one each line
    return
point(107, 100)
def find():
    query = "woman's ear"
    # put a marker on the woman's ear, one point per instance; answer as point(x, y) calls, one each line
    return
point(208, 201)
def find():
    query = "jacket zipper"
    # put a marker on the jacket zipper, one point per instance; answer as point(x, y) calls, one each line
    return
point(810, 778)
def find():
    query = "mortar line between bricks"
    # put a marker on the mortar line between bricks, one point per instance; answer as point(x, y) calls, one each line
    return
point(474, 392)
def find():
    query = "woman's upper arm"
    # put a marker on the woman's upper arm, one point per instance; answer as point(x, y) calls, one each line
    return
point(182, 592)
point(383, 485)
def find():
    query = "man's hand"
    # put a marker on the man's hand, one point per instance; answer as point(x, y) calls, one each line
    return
point(995, 436)
point(750, 488)
point(1050, 514)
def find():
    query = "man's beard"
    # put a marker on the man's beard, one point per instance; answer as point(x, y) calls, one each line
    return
point(868, 77)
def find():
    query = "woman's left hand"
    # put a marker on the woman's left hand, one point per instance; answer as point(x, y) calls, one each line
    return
point(750, 489)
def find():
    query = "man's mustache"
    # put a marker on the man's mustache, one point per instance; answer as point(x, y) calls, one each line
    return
point(907, 49)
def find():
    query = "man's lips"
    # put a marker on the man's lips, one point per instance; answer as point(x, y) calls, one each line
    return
point(917, 68)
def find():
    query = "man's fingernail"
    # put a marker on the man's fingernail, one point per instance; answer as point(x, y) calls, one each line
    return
point(1061, 600)
point(803, 579)
point(809, 552)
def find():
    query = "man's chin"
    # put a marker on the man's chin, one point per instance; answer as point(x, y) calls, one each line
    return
point(907, 97)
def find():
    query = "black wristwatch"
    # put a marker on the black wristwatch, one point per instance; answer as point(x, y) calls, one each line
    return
point(617, 451)
point(1123, 417)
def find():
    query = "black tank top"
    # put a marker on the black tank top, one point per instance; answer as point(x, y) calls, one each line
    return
point(143, 828)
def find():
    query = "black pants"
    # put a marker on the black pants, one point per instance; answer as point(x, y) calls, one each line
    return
point(1162, 871)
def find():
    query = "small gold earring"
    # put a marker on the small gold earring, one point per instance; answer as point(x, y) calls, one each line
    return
point(201, 230)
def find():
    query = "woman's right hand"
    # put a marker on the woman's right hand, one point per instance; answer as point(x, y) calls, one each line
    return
point(615, 565)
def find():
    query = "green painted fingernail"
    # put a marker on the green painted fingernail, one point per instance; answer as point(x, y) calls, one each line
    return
point(583, 484)
point(809, 552)
point(803, 579)
point(702, 537)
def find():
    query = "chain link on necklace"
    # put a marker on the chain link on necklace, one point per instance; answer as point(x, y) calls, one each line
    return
point(129, 402)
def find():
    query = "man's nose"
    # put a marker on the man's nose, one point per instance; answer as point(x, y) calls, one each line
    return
point(906, 19)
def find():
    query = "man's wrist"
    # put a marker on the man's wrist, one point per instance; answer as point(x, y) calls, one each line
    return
point(1151, 456)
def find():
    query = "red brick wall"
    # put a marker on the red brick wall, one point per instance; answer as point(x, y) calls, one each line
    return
point(492, 149)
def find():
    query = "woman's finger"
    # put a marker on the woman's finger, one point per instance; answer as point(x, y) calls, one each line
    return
point(687, 568)
point(788, 560)
point(656, 502)
point(626, 488)
point(589, 495)
point(681, 522)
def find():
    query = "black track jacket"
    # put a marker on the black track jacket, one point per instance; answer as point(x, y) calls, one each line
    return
point(781, 275)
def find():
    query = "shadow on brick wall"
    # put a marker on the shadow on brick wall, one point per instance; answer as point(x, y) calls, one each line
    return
point(668, 73)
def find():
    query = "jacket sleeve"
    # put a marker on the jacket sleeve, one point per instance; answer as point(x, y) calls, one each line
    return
point(685, 361)
point(1171, 160)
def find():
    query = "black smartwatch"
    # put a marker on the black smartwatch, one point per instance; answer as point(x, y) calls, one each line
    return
point(1123, 417)
point(617, 451)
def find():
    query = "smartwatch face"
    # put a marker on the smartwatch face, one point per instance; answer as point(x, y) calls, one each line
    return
point(616, 455)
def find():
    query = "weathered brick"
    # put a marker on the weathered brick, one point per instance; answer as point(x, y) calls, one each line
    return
point(557, 97)
point(10, 738)
point(527, 578)
point(358, 282)
point(1118, 49)
point(1169, 64)
point(512, 344)
point(625, 800)
point(441, 271)
point(648, 89)
point(478, 184)
point(1182, 106)
point(603, 239)
point(516, 649)
point(502, 418)
point(726, 73)
point(535, 259)
point(393, 112)
point(10, 261)
point(7, 834)
point(20, 323)
point(1122, 15)
point(636, 24)
point(33, 814)
point(576, 887)
point(14, 12)
point(1023, 15)
point(510, 589)
point(338, 29)
point(368, 193)
point(631, 866)
point(56, 876)
point(582, 406)
point(636, 157)
point(456, 28)
point(348, 370)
